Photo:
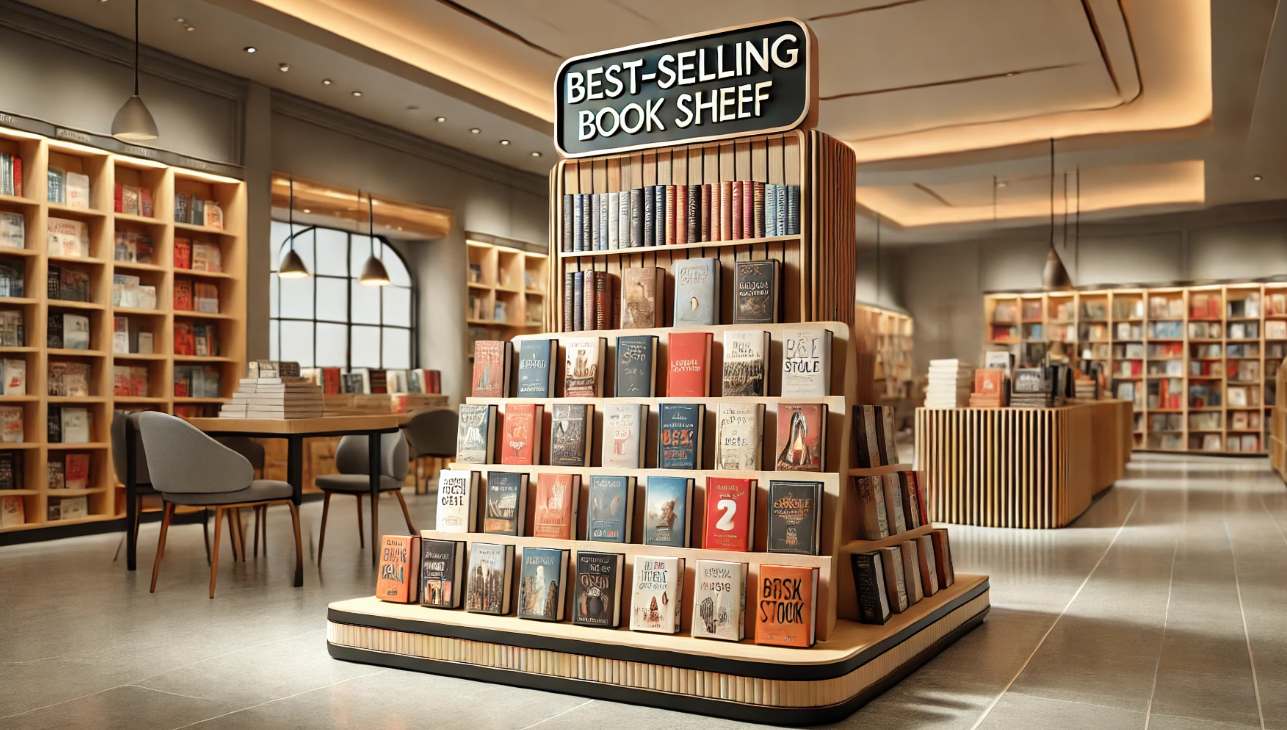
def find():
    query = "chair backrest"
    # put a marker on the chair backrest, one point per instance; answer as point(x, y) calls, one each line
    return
point(433, 432)
point(183, 459)
point(122, 423)
point(252, 450)
point(351, 455)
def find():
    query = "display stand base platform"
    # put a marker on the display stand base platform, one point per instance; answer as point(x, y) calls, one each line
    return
point(739, 681)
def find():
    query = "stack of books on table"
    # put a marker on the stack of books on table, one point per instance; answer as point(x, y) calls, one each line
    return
point(991, 388)
point(274, 398)
point(949, 384)
point(1031, 388)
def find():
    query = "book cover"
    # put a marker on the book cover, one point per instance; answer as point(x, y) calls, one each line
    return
point(637, 217)
point(943, 558)
point(596, 595)
point(730, 514)
point(12, 512)
point(612, 504)
point(520, 442)
point(11, 470)
point(929, 570)
point(570, 434)
point(680, 429)
point(911, 572)
point(602, 301)
point(787, 610)
point(658, 594)
point(11, 424)
point(457, 501)
point(489, 584)
point(650, 215)
point(693, 222)
point(623, 219)
point(579, 223)
point(636, 375)
point(55, 473)
point(614, 221)
point(802, 437)
point(739, 432)
point(476, 434)
point(671, 194)
point(889, 432)
point(806, 363)
point(719, 600)
point(869, 581)
point(895, 583)
point(491, 369)
point(623, 435)
point(75, 425)
point(505, 509)
point(399, 580)
point(696, 292)
point(748, 209)
point(596, 228)
point(640, 290)
point(792, 210)
point(535, 368)
point(583, 366)
point(442, 568)
point(867, 437)
point(541, 583)
point(708, 204)
point(757, 210)
point(726, 211)
point(873, 523)
point(569, 301)
point(795, 517)
point(911, 499)
point(556, 506)
point(578, 301)
point(659, 209)
point(746, 363)
point(689, 373)
point(756, 292)
point(569, 220)
point(668, 503)
point(15, 376)
point(894, 504)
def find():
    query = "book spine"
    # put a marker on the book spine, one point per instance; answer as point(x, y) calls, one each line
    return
point(748, 209)
point(596, 231)
point(793, 210)
point(614, 298)
point(569, 213)
point(659, 211)
point(578, 223)
point(602, 309)
point(706, 212)
point(587, 314)
point(578, 300)
point(681, 214)
point(636, 217)
point(649, 217)
point(757, 210)
point(569, 299)
point(737, 210)
point(694, 214)
point(671, 194)
point(725, 211)
point(614, 221)
point(770, 210)
point(623, 218)
point(603, 221)
point(782, 210)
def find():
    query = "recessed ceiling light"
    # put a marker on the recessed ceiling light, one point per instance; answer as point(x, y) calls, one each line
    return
point(441, 119)
point(357, 93)
point(283, 67)
point(536, 154)
point(190, 28)
point(1256, 178)
point(306, 210)
point(178, 20)
point(1002, 184)
point(1010, 74)
point(249, 49)
point(326, 82)
point(504, 141)
point(475, 130)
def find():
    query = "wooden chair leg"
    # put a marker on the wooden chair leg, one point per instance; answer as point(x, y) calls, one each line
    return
point(205, 531)
point(232, 534)
point(214, 554)
point(264, 528)
point(241, 532)
point(160, 545)
point(255, 528)
point(361, 541)
point(299, 544)
point(405, 513)
point(321, 538)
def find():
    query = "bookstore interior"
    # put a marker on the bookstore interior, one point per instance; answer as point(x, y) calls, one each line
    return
point(739, 370)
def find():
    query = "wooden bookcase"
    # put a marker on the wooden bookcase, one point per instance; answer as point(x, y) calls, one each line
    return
point(1199, 338)
point(889, 334)
point(105, 170)
point(504, 280)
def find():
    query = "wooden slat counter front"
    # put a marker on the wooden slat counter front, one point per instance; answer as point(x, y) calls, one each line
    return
point(1020, 467)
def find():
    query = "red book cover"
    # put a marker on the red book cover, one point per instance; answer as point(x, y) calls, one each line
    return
point(17, 176)
point(801, 437)
point(399, 580)
point(670, 215)
point(681, 214)
point(737, 210)
point(602, 307)
point(730, 515)
point(786, 598)
point(522, 431)
point(182, 253)
point(183, 295)
point(748, 209)
point(690, 356)
point(708, 194)
point(118, 204)
point(145, 202)
point(331, 381)
point(556, 506)
point(76, 471)
point(489, 369)
point(725, 212)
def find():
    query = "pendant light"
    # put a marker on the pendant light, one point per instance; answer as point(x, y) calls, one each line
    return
point(134, 123)
point(292, 266)
point(373, 271)
point(1054, 277)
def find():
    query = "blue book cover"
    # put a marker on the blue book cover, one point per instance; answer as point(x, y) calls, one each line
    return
point(636, 374)
point(535, 372)
point(679, 439)
point(666, 512)
point(696, 292)
point(542, 583)
point(659, 210)
point(611, 503)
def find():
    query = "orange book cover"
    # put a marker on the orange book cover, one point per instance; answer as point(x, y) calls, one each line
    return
point(670, 215)
point(787, 606)
point(989, 381)
point(689, 373)
point(522, 432)
point(557, 496)
point(399, 580)
point(681, 214)
point(725, 211)
point(490, 371)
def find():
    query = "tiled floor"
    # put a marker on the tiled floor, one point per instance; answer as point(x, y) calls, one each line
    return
point(1164, 607)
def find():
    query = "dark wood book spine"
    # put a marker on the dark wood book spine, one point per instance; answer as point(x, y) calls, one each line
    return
point(707, 191)
point(758, 203)
point(602, 309)
point(659, 211)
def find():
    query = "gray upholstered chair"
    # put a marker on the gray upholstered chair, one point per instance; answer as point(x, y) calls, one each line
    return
point(189, 468)
point(354, 478)
point(432, 433)
point(254, 453)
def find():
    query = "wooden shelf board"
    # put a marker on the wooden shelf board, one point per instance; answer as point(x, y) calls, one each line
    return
point(194, 228)
point(139, 399)
point(64, 352)
point(19, 492)
point(90, 446)
point(202, 358)
point(77, 260)
point(75, 399)
point(203, 274)
point(17, 300)
point(68, 304)
point(19, 445)
point(138, 356)
point(193, 314)
point(197, 401)
point(76, 492)
point(61, 210)
point(141, 219)
point(139, 312)
point(679, 247)
point(880, 470)
point(22, 252)
point(19, 200)
point(46, 523)
point(18, 399)
point(16, 350)
point(133, 266)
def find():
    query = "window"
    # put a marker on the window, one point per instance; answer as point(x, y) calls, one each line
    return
point(330, 319)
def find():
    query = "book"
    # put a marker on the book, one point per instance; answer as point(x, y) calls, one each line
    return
point(488, 585)
point(680, 429)
point(67, 238)
point(614, 221)
point(786, 614)
point(75, 425)
point(795, 517)
point(669, 218)
point(541, 582)
point(570, 434)
point(696, 292)
point(636, 375)
point(806, 362)
point(911, 499)
point(612, 504)
point(75, 331)
point(11, 431)
point(76, 379)
point(640, 290)
point(867, 436)
point(929, 569)
point(13, 230)
point(55, 184)
point(668, 502)
point(77, 191)
point(521, 434)
point(730, 514)
point(755, 290)
point(911, 572)
point(492, 359)
point(596, 594)
point(11, 470)
point(708, 208)
point(659, 209)
point(442, 573)
point(739, 431)
point(895, 583)
point(892, 488)
point(719, 600)
point(457, 501)
point(569, 301)
point(689, 373)
point(535, 367)
point(583, 367)
point(943, 558)
point(658, 594)
point(14, 376)
point(873, 522)
point(802, 437)
point(725, 210)
point(399, 580)
point(11, 278)
point(12, 512)
point(869, 581)
point(505, 509)
point(746, 363)
point(55, 473)
point(476, 434)
point(638, 226)
point(557, 497)
point(623, 219)
point(624, 437)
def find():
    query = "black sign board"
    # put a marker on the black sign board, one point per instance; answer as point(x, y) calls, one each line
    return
point(734, 82)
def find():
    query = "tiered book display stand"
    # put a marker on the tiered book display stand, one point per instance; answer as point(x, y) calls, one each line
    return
point(851, 662)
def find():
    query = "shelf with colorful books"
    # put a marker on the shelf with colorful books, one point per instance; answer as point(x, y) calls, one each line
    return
point(739, 242)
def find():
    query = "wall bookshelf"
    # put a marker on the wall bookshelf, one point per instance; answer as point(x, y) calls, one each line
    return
point(1201, 360)
point(506, 290)
point(891, 337)
point(39, 306)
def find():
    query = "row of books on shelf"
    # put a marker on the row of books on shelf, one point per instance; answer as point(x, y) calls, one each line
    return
point(805, 371)
point(68, 284)
point(10, 174)
point(193, 210)
point(196, 339)
point(64, 425)
point(12, 278)
point(195, 296)
point(129, 291)
point(129, 337)
point(68, 470)
point(13, 331)
point(666, 215)
point(134, 248)
point(373, 381)
point(132, 200)
point(1248, 443)
point(67, 188)
point(197, 381)
point(130, 381)
point(197, 255)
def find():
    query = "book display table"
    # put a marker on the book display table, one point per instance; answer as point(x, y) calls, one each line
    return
point(1020, 467)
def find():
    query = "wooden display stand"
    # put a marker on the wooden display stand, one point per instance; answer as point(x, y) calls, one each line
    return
point(1020, 467)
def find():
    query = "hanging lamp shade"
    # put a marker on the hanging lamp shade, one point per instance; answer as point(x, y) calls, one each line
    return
point(1054, 277)
point(133, 122)
point(373, 271)
point(292, 266)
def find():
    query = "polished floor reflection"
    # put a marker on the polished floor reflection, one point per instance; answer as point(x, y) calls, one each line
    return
point(1164, 606)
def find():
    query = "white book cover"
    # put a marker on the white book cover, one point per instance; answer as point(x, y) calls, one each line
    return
point(457, 500)
point(13, 229)
point(67, 238)
point(719, 600)
point(624, 425)
point(75, 332)
point(746, 363)
point(77, 191)
point(806, 363)
point(658, 594)
point(614, 221)
point(15, 376)
point(739, 434)
point(75, 426)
